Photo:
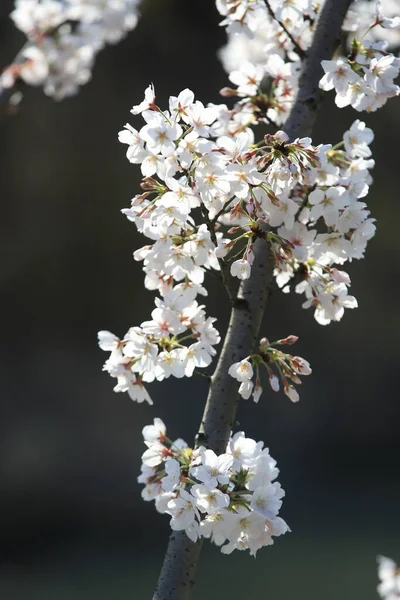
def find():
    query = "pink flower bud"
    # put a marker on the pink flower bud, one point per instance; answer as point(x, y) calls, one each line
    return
point(227, 92)
point(290, 339)
point(281, 137)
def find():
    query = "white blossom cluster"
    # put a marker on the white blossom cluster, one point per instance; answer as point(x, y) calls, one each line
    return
point(338, 185)
point(365, 79)
point(155, 350)
point(199, 179)
point(279, 365)
point(231, 498)
point(363, 13)
point(266, 40)
point(63, 39)
point(389, 576)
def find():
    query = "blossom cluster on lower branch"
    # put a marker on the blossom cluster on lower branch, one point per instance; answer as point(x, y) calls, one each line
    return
point(231, 498)
point(279, 365)
point(389, 576)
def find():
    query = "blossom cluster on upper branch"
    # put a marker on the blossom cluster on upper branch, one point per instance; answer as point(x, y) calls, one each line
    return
point(209, 191)
point(267, 40)
point(63, 39)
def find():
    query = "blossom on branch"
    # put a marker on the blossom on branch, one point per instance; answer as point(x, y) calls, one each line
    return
point(389, 576)
point(233, 498)
point(63, 39)
point(208, 195)
point(280, 366)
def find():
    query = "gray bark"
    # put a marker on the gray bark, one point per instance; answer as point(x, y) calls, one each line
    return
point(178, 571)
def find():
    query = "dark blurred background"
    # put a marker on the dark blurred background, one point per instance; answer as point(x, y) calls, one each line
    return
point(72, 521)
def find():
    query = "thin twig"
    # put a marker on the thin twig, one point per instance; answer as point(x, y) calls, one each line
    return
point(302, 53)
point(202, 374)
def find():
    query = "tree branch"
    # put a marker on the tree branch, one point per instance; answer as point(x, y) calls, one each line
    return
point(177, 574)
point(326, 37)
point(178, 571)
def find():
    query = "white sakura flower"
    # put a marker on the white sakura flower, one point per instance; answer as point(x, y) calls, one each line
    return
point(262, 471)
point(148, 102)
point(154, 433)
point(194, 356)
point(223, 248)
point(242, 370)
point(357, 139)
point(209, 335)
point(352, 217)
point(241, 269)
point(266, 500)
point(234, 147)
point(35, 69)
point(159, 133)
point(172, 479)
point(214, 469)
point(182, 193)
point(108, 341)
point(338, 75)
point(340, 276)
point(240, 176)
point(244, 450)
point(130, 136)
point(200, 118)
point(247, 78)
point(190, 146)
point(218, 526)
point(357, 95)
point(332, 247)
point(381, 73)
point(301, 238)
point(165, 321)
point(151, 492)
point(155, 454)
point(139, 348)
point(162, 499)
point(209, 500)
point(169, 363)
point(250, 524)
point(178, 106)
point(385, 22)
point(211, 181)
point(328, 204)
point(389, 575)
point(183, 511)
point(193, 531)
point(151, 163)
point(138, 393)
point(282, 212)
